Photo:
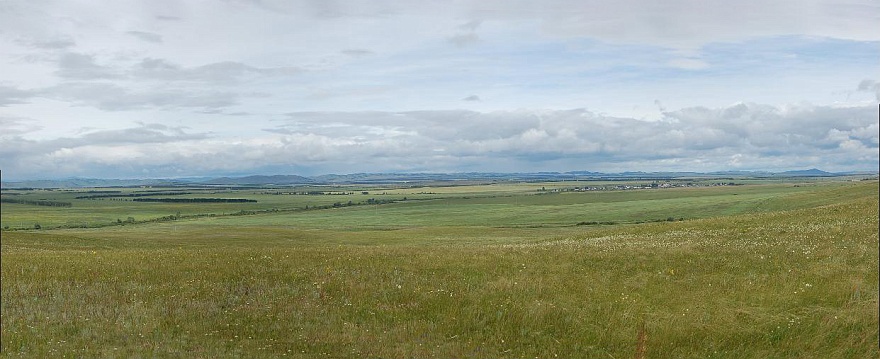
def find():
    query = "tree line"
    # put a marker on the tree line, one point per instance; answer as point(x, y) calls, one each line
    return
point(194, 200)
point(132, 195)
point(36, 202)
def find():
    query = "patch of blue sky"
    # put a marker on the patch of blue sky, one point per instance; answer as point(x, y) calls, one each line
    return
point(492, 63)
point(543, 72)
point(790, 53)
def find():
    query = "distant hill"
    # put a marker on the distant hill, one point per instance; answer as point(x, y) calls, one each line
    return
point(374, 178)
point(813, 172)
point(90, 182)
point(277, 180)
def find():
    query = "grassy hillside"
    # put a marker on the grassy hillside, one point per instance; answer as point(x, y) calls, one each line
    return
point(755, 272)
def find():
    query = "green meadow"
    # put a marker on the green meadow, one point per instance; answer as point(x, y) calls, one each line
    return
point(762, 269)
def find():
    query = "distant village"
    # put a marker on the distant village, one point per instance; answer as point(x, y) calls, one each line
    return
point(621, 187)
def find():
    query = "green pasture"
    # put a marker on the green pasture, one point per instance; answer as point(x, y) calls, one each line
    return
point(105, 211)
point(771, 270)
point(492, 205)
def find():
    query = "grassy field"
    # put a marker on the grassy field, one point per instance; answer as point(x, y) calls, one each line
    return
point(490, 271)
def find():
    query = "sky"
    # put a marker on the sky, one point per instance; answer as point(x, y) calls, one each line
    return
point(171, 89)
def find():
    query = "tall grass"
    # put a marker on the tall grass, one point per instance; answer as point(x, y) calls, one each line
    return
point(797, 283)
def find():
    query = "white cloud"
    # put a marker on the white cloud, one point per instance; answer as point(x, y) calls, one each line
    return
point(146, 36)
point(462, 40)
point(744, 136)
point(687, 24)
point(81, 66)
point(870, 86)
point(11, 95)
point(218, 72)
point(688, 63)
point(111, 97)
point(15, 126)
point(339, 85)
point(357, 52)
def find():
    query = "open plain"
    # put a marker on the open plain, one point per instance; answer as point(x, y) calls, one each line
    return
point(702, 269)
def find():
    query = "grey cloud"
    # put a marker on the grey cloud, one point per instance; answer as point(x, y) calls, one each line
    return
point(468, 36)
point(471, 26)
point(475, 126)
point(326, 9)
point(357, 52)
point(220, 69)
point(18, 158)
point(103, 139)
point(146, 133)
point(660, 106)
point(112, 97)
point(146, 36)
point(358, 126)
point(12, 95)
point(448, 125)
point(151, 64)
point(50, 44)
point(219, 111)
point(743, 136)
point(149, 83)
point(790, 131)
point(870, 86)
point(158, 69)
point(167, 18)
point(78, 66)
point(462, 40)
point(112, 152)
point(15, 126)
point(867, 85)
point(767, 126)
point(708, 136)
point(471, 98)
point(671, 24)
point(687, 24)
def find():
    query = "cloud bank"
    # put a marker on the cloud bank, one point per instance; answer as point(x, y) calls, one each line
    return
point(742, 136)
point(155, 88)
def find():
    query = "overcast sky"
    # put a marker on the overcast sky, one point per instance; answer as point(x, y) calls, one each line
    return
point(154, 88)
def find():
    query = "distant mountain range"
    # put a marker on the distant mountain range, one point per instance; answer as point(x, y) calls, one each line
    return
point(279, 180)
point(374, 178)
point(809, 173)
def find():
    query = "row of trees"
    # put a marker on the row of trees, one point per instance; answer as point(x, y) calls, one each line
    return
point(36, 202)
point(97, 196)
point(195, 200)
point(312, 193)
